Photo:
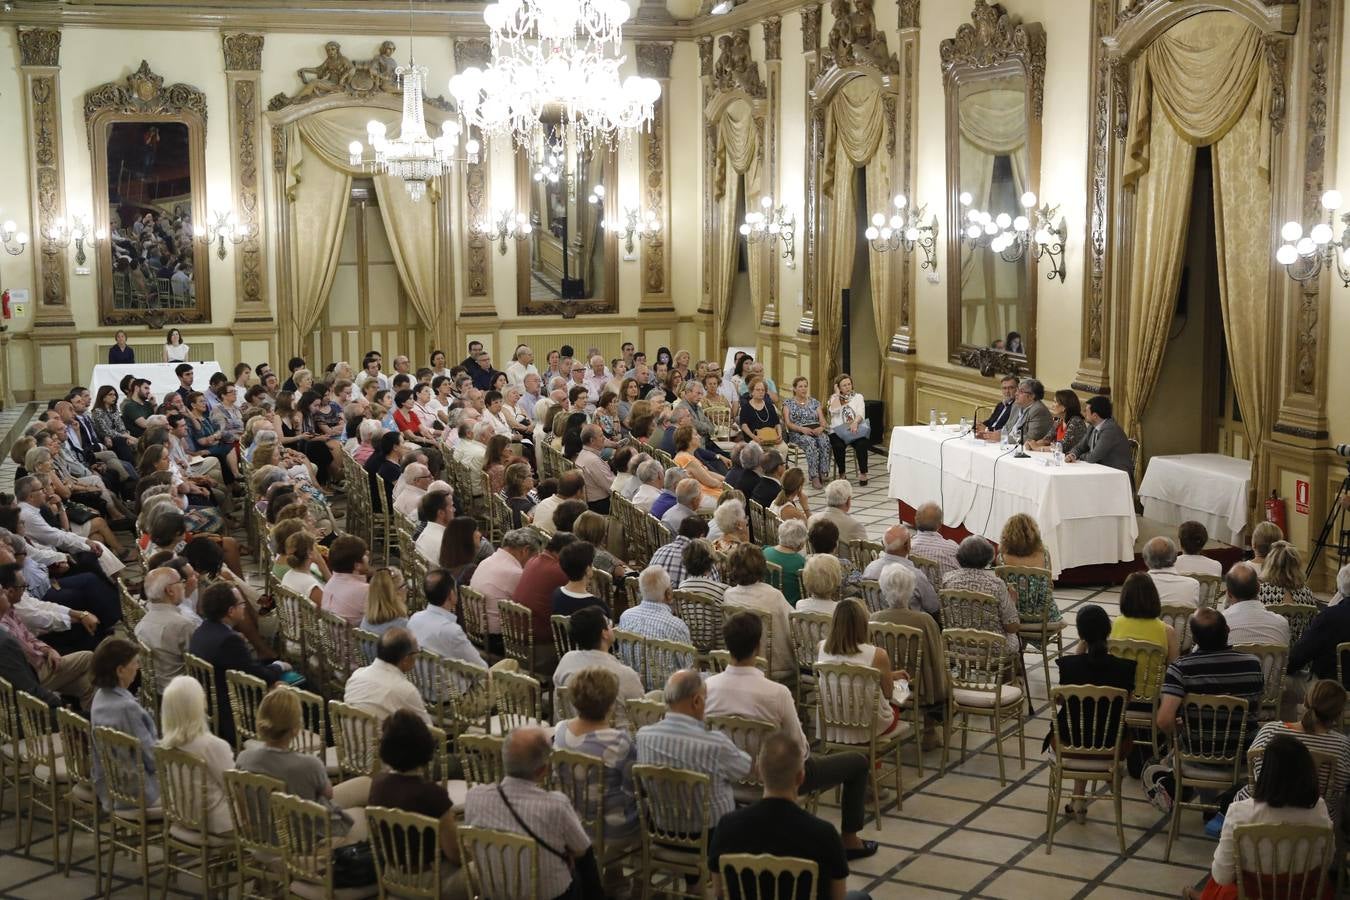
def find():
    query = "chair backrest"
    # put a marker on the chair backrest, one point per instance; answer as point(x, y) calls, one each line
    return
point(969, 609)
point(519, 699)
point(306, 832)
point(499, 863)
point(10, 732)
point(245, 694)
point(340, 657)
point(640, 711)
point(501, 518)
point(367, 645)
point(1178, 615)
point(562, 634)
point(1283, 862)
point(629, 647)
point(1324, 762)
point(768, 877)
point(930, 569)
point(77, 746)
point(1274, 661)
point(407, 852)
point(769, 536)
point(250, 797)
point(480, 755)
point(602, 586)
point(1081, 712)
point(765, 619)
point(517, 632)
point(356, 734)
point(774, 574)
point(977, 660)
point(313, 714)
point(182, 788)
point(581, 778)
point(1213, 731)
point(703, 615)
point(38, 747)
point(808, 629)
point(675, 807)
point(872, 597)
point(846, 698)
point(1150, 665)
point(149, 690)
point(119, 758)
point(205, 674)
point(904, 645)
point(473, 615)
point(1033, 587)
point(864, 552)
point(291, 621)
point(1211, 588)
point(661, 659)
point(756, 510)
point(132, 609)
point(747, 734)
point(1298, 614)
point(468, 700)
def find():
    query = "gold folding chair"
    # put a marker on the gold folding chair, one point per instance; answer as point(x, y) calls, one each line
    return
point(291, 624)
point(204, 674)
point(720, 661)
point(245, 694)
point(407, 849)
point(930, 569)
point(480, 755)
point(983, 673)
point(519, 700)
point(1206, 753)
point(703, 615)
point(863, 552)
point(808, 629)
point(747, 734)
point(518, 634)
point(257, 846)
point(338, 659)
point(1211, 588)
point(131, 822)
point(367, 645)
point(11, 766)
point(640, 711)
point(182, 781)
point(149, 690)
point(904, 646)
point(132, 609)
point(473, 611)
point(675, 808)
point(1085, 749)
point(970, 610)
point(40, 757)
point(356, 734)
point(872, 597)
point(1150, 665)
point(1283, 862)
point(562, 634)
point(82, 806)
point(1274, 663)
point(1298, 614)
point(769, 877)
point(499, 863)
point(1178, 615)
point(847, 702)
point(581, 778)
point(1034, 592)
point(661, 659)
point(306, 831)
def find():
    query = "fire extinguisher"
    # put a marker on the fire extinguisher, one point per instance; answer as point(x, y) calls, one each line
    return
point(4, 305)
point(1275, 511)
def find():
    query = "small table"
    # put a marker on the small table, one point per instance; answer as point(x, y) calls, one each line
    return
point(1208, 488)
point(162, 379)
point(1085, 511)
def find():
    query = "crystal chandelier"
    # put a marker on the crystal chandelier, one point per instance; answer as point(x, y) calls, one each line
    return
point(555, 53)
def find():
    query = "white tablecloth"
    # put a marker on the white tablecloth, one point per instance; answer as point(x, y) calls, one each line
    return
point(1085, 511)
point(1208, 488)
point(162, 379)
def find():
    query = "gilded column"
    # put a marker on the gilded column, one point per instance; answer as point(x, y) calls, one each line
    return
point(705, 71)
point(902, 164)
point(476, 202)
point(243, 70)
point(40, 69)
point(815, 126)
point(773, 66)
point(653, 61)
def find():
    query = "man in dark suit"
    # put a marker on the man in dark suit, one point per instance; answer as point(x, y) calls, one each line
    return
point(744, 475)
point(1030, 418)
point(1105, 442)
point(217, 642)
point(771, 479)
point(1004, 409)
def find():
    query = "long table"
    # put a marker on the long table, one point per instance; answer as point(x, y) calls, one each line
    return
point(1209, 488)
point(162, 379)
point(1085, 511)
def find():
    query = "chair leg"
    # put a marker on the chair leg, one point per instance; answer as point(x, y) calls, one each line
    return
point(946, 739)
point(56, 831)
point(1021, 738)
point(998, 742)
point(876, 788)
point(899, 779)
point(1173, 824)
point(1052, 809)
point(1116, 791)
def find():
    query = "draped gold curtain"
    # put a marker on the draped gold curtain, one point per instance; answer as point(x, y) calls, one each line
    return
point(318, 182)
point(1203, 82)
point(854, 126)
point(737, 149)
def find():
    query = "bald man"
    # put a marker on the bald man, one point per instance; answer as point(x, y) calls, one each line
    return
point(896, 544)
point(928, 543)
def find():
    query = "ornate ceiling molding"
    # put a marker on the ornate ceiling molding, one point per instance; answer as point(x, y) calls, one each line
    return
point(243, 51)
point(993, 38)
point(39, 47)
point(360, 80)
point(143, 93)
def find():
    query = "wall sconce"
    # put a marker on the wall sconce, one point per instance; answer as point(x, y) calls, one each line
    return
point(1304, 256)
point(907, 229)
point(1010, 237)
point(14, 241)
point(77, 229)
point(504, 225)
point(774, 225)
point(226, 227)
point(634, 228)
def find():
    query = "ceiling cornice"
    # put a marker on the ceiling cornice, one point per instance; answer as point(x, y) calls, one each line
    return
point(751, 12)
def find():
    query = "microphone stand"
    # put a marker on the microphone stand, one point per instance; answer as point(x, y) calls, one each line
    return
point(1022, 446)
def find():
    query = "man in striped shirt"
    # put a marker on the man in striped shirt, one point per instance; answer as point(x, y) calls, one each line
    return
point(652, 618)
point(681, 741)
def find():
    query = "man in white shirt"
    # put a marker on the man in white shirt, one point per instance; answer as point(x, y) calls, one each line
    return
point(596, 377)
point(436, 628)
point(743, 690)
point(596, 474)
point(896, 544)
point(571, 486)
point(411, 488)
point(436, 509)
point(383, 686)
point(1192, 536)
point(653, 481)
point(473, 451)
point(592, 634)
point(1249, 622)
point(164, 629)
point(32, 496)
point(522, 365)
point(1160, 555)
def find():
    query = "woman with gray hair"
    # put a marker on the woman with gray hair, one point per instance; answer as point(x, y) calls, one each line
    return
point(733, 524)
point(898, 584)
point(788, 556)
point(974, 556)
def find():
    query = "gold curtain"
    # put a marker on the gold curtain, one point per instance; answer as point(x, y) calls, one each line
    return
point(854, 126)
point(738, 149)
point(1203, 82)
point(318, 195)
point(412, 231)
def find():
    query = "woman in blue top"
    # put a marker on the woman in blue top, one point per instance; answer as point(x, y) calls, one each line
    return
point(593, 693)
point(119, 354)
point(115, 667)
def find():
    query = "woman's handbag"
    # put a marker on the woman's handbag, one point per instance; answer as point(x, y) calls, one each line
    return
point(354, 865)
point(842, 432)
point(767, 436)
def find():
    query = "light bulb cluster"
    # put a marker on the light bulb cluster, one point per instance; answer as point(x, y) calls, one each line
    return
point(555, 53)
point(1011, 236)
point(226, 227)
point(635, 227)
point(1304, 255)
point(905, 228)
point(775, 224)
point(14, 241)
point(505, 225)
point(76, 230)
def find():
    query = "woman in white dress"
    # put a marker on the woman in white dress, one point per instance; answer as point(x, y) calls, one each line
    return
point(847, 643)
point(849, 426)
point(175, 351)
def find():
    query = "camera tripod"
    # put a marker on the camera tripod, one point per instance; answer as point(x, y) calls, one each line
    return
point(1336, 522)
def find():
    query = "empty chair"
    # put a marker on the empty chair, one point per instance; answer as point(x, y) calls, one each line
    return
point(769, 877)
point(257, 845)
point(675, 807)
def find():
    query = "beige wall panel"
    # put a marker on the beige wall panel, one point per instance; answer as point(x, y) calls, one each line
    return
point(384, 296)
point(55, 365)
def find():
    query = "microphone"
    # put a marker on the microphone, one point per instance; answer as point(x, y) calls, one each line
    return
point(1022, 446)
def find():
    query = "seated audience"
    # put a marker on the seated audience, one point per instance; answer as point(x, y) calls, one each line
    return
point(744, 472)
point(896, 545)
point(436, 628)
point(1282, 579)
point(387, 604)
point(653, 617)
point(822, 582)
point(733, 525)
point(436, 509)
point(788, 556)
point(347, 591)
point(575, 561)
point(700, 573)
point(539, 581)
point(593, 636)
point(1249, 622)
point(849, 427)
point(931, 545)
point(1138, 619)
point(688, 496)
point(651, 479)
point(115, 667)
point(407, 747)
point(1264, 536)
point(838, 502)
point(898, 592)
point(306, 567)
point(463, 547)
point(497, 576)
point(1160, 555)
point(1192, 536)
point(382, 687)
point(791, 501)
point(846, 642)
point(594, 692)
point(593, 528)
point(182, 710)
point(164, 629)
point(218, 642)
point(973, 558)
point(56, 673)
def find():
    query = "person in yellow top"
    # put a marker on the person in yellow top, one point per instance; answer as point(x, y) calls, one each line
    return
point(687, 441)
point(1138, 619)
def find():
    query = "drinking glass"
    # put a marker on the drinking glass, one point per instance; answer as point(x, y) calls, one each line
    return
point(942, 418)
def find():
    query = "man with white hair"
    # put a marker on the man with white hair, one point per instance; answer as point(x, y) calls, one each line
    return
point(652, 617)
point(530, 395)
point(898, 589)
point(595, 472)
point(596, 378)
point(1342, 585)
point(164, 628)
point(473, 452)
point(519, 805)
point(772, 469)
point(838, 502)
point(651, 479)
point(688, 496)
point(521, 366)
point(744, 472)
point(1160, 555)
point(928, 543)
point(896, 544)
point(667, 499)
point(410, 488)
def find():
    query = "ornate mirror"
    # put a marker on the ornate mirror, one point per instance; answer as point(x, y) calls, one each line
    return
point(147, 144)
point(566, 187)
point(993, 73)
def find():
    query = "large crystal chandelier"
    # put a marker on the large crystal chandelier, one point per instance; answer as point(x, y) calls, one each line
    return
point(555, 53)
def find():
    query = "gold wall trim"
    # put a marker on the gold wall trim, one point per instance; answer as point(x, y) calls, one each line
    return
point(653, 61)
point(40, 70)
point(475, 191)
point(243, 62)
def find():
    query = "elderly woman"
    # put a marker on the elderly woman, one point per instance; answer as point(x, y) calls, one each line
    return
point(60, 511)
point(849, 426)
point(700, 570)
point(902, 607)
point(182, 709)
point(518, 486)
point(369, 431)
point(687, 443)
point(1020, 544)
point(974, 557)
point(115, 667)
point(227, 418)
point(733, 525)
point(788, 556)
point(594, 692)
point(806, 429)
point(1282, 578)
point(822, 581)
point(745, 571)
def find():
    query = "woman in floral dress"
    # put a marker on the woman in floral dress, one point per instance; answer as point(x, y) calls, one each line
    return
point(806, 429)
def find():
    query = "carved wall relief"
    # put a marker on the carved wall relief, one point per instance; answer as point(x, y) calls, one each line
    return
point(362, 79)
point(39, 57)
point(243, 60)
point(855, 40)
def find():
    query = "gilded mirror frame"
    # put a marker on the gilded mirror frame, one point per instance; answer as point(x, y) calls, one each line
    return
point(142, 97)
point(607, 304)
point(992, 46)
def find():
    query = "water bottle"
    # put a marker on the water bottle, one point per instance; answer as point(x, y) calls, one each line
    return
point(1059, 453)
point(1003, 440)
point(932, 419)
